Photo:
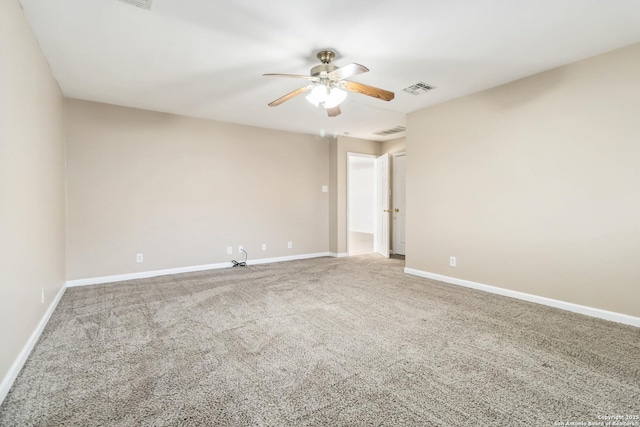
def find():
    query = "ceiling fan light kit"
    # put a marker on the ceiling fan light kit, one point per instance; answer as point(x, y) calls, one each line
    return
point(326, 96)
point(329, 85)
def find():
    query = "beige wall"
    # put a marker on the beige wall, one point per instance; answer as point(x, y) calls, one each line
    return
point(397, 145)
point(31, 184)
point(180, 190)
point(333, 196)
point(535, 185)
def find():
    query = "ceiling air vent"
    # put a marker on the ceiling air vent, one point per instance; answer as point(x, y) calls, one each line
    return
point(391, 131)
point(418, 88)
point(142, 4)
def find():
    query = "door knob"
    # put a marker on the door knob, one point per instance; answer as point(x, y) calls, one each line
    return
point(388, 210)
point(397, 210)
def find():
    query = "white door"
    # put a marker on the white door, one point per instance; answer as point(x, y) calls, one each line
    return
point(399, 211)
point(381, 237)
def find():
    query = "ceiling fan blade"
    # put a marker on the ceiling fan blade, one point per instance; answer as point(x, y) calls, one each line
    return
point(334, 111)
point(290, 95)
point(295, 76)
point(348, 71)
point(385, 95)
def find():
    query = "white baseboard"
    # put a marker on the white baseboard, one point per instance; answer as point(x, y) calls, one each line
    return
point(338, 255)
point(288, 258)
point(17, 365)
point(156, 273)
point(144, 274)
point(568, 306)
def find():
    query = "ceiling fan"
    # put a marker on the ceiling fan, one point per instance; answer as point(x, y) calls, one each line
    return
point(329, 85)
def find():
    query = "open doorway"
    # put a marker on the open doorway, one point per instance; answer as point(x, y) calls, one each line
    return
point(376, 204)
point(361, 203)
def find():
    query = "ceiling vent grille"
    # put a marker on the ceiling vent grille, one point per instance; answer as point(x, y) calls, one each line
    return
point(391, 131)
point(142, 4)
point(419, 88)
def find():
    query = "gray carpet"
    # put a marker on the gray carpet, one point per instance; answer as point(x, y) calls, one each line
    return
point(328, 342)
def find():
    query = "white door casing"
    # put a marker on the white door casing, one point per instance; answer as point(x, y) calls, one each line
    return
point(399, 197)
point(383, 210)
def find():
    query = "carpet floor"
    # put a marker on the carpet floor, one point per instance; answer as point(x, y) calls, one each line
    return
point(320, 342)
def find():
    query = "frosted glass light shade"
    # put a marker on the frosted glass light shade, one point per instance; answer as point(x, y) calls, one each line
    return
point(318, 95)
point(335, 97)
point(325, 96)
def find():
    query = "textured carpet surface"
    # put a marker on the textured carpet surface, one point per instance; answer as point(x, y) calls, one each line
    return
point(328, 342)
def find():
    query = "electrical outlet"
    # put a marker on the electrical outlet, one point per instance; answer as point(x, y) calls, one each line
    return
point(229, 250)
point(452, 261)
point(325, 189)
point(42, 296)
point(264, 246)
point(290, 245)
point(139, 257)
point(240, 249)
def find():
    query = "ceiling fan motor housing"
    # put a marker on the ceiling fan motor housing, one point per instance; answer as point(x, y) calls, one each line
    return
point(315, 71)
point(325, 56)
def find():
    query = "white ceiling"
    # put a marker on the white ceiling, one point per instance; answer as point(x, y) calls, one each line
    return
point(205, 58)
